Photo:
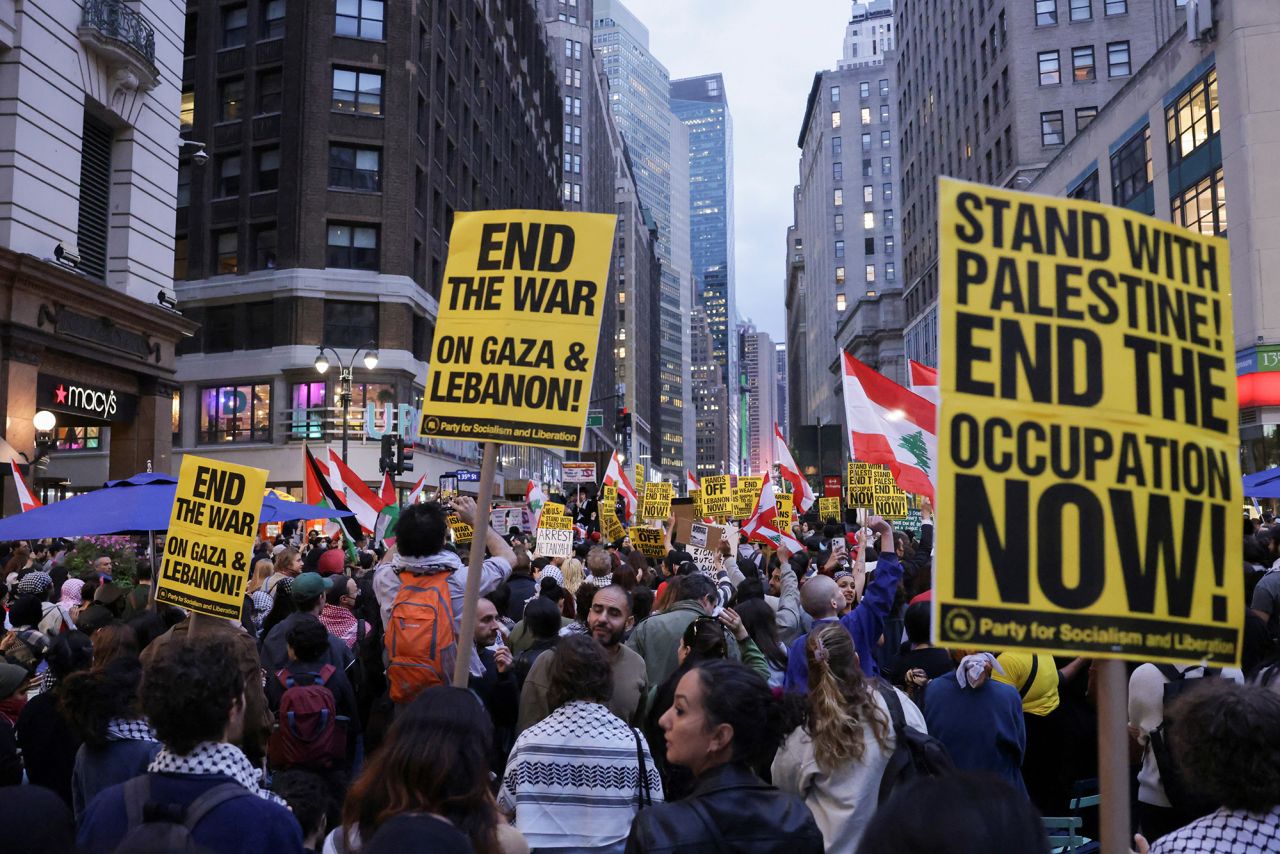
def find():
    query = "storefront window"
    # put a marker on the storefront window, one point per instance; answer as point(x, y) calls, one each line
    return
point(308, 411)
point(240, 413)
point(176, 416)
point(1259, 447)
point(83, 438)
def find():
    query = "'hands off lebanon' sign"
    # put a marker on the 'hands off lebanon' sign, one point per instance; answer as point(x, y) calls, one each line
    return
point(1090, 463)
point(208, 549)
point(520, 311)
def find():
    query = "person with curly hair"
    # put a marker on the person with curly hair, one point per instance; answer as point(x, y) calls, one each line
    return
point(1225, 741)
point(193, 695)
point(836, 758)
point(577, 778)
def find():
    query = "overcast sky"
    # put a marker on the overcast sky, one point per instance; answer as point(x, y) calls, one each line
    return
point(768, 53)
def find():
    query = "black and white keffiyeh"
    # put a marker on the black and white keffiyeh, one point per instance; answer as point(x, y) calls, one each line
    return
point(130, 729)
point(213, 757)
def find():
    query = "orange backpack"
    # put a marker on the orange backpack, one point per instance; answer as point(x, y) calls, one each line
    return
point(421, 643)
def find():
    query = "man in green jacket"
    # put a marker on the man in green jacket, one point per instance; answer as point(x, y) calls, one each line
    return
point(657, 639)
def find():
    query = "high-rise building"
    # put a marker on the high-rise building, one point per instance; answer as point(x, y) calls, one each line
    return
point(638, 88)
point(1186, 140)
point(341, 138)
point(991, 92)
point(710, 399)
point(842, 250)
point(780, 398)
point(87, 193)
point(759, 370)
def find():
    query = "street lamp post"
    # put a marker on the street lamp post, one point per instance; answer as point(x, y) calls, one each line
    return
point(344, 379)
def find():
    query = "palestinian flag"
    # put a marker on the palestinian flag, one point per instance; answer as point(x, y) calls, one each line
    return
point(891, 425)
point(318, 490)
point(358, 496)
point(387, 495)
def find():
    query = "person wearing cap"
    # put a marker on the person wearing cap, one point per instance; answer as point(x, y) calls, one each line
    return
point(332, 562)
point(308, 594)
point(53, 620)
point(13, 682)
point(108, 604)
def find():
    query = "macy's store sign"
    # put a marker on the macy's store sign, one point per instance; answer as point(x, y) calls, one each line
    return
point(76, 398)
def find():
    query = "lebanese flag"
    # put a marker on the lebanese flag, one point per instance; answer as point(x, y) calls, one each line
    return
point(416, 491)
point(359, 497)
point(924, 380)
point(690, 483)
point(616, 475)
point(760, 527)
point(387, 495)
point(25, 497)
point(891, 425)
point(535, 498)
point(316, 489)
point(791, 472)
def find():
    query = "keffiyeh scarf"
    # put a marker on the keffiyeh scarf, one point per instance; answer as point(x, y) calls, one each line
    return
point(129, 729)
point(213, 757)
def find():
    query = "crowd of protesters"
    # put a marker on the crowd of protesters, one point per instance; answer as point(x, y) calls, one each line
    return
point(615, 702)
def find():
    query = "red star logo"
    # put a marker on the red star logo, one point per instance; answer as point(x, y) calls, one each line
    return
point(60, 394)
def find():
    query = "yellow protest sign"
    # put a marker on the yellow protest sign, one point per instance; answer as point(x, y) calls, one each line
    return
point(745, 495)
point(608, 498)
point(552, 508)
point(209, 546)
point(656, 503)
point(891, 505)
point(1089, 458)
point(695, 495)
point(717, 495)
point(862, 481)
point(829, 508)
point(519, 319)
point(611, 526)
point(650, 541)
point(555, 522)
point(786, 511)
point(462, 532)
point(639, 473)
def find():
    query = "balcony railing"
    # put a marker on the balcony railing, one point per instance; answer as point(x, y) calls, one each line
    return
point(122, 33)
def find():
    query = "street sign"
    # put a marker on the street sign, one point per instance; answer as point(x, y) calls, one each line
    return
point(467, 476)
point(595, 418)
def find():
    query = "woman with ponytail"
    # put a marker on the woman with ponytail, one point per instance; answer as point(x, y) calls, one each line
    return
point(835, 759)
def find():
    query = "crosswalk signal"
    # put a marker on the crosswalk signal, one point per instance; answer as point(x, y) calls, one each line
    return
point(403, 456)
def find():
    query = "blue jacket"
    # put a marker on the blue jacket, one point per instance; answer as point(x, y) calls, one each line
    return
point(248, 825)
point(865, 623)
point(982, 727)
point(98, 768)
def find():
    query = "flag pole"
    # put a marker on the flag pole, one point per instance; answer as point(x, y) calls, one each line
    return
point(484, 499)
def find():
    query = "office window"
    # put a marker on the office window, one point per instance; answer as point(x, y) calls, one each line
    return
point(869, 220)
point(577, 106)
point(235, 26)
point(1117, 7)
point(866, 167)
point(1203, 208)
point(868, 246)
point(888, 218)
point(841, 304)
point(1050, 68)
point(835, 94)
point(1131, 168)
point(1051, 128)
point(1086, 189)
point(871, 274)
point(839, 222)
point(359, 18)
point(264, 247)
point(357, 91)
point(839, 275)
point(886, 165)
point(866, 142)
point(568, 48)
point(577, 50)
point(568, 163)
point(349, 324)
point(835, 146)
point(890, 272)
point(1118, 62)
point(237, 413)
point(837, 197)
point(272, 20)
point(1081, 10)
point(577, 164)
point(270, 92)
point(865, 115)
point(886, 192)
point(189, 35)
point(228, 176)
point(268, 169)
point(884, 87)
point(1084, 115)
point(839, 248)
point(868, 194)
point(837, 171)
point(566, 191)
point(835, 118)
point(864, 90)
point(1046, 13)
point(884, 139)
point(184, 185)
point(888, 245)
point(353, 247)
point(227, 245)
point(1192, 120)
point(187, 110)
point(1082, 68)
point(355, 168)
point(884, 114)
point(230, 99)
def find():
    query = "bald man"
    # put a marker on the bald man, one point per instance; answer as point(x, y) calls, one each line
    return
point(821, 599)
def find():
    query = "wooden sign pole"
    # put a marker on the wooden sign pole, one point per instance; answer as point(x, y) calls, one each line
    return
point(484, 499)
point(1113, 755)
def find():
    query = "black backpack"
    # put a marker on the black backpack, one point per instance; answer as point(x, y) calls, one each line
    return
point(1183, 797)
point(915, 753)
point(168, 827)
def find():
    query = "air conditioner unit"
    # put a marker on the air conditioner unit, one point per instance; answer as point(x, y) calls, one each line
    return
point(1199, 20)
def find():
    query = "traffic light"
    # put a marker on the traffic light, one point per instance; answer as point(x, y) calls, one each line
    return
point(404, 456)
point(387, 456)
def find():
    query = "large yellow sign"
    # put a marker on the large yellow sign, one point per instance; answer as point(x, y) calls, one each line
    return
point(209, 546)
point(1089, 454)
point(717, 495)
point(656, 501)
point(745, 495)
point(515, 343)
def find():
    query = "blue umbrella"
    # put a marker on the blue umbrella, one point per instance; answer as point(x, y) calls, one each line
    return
point(137, 504)
point(1258, 478)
